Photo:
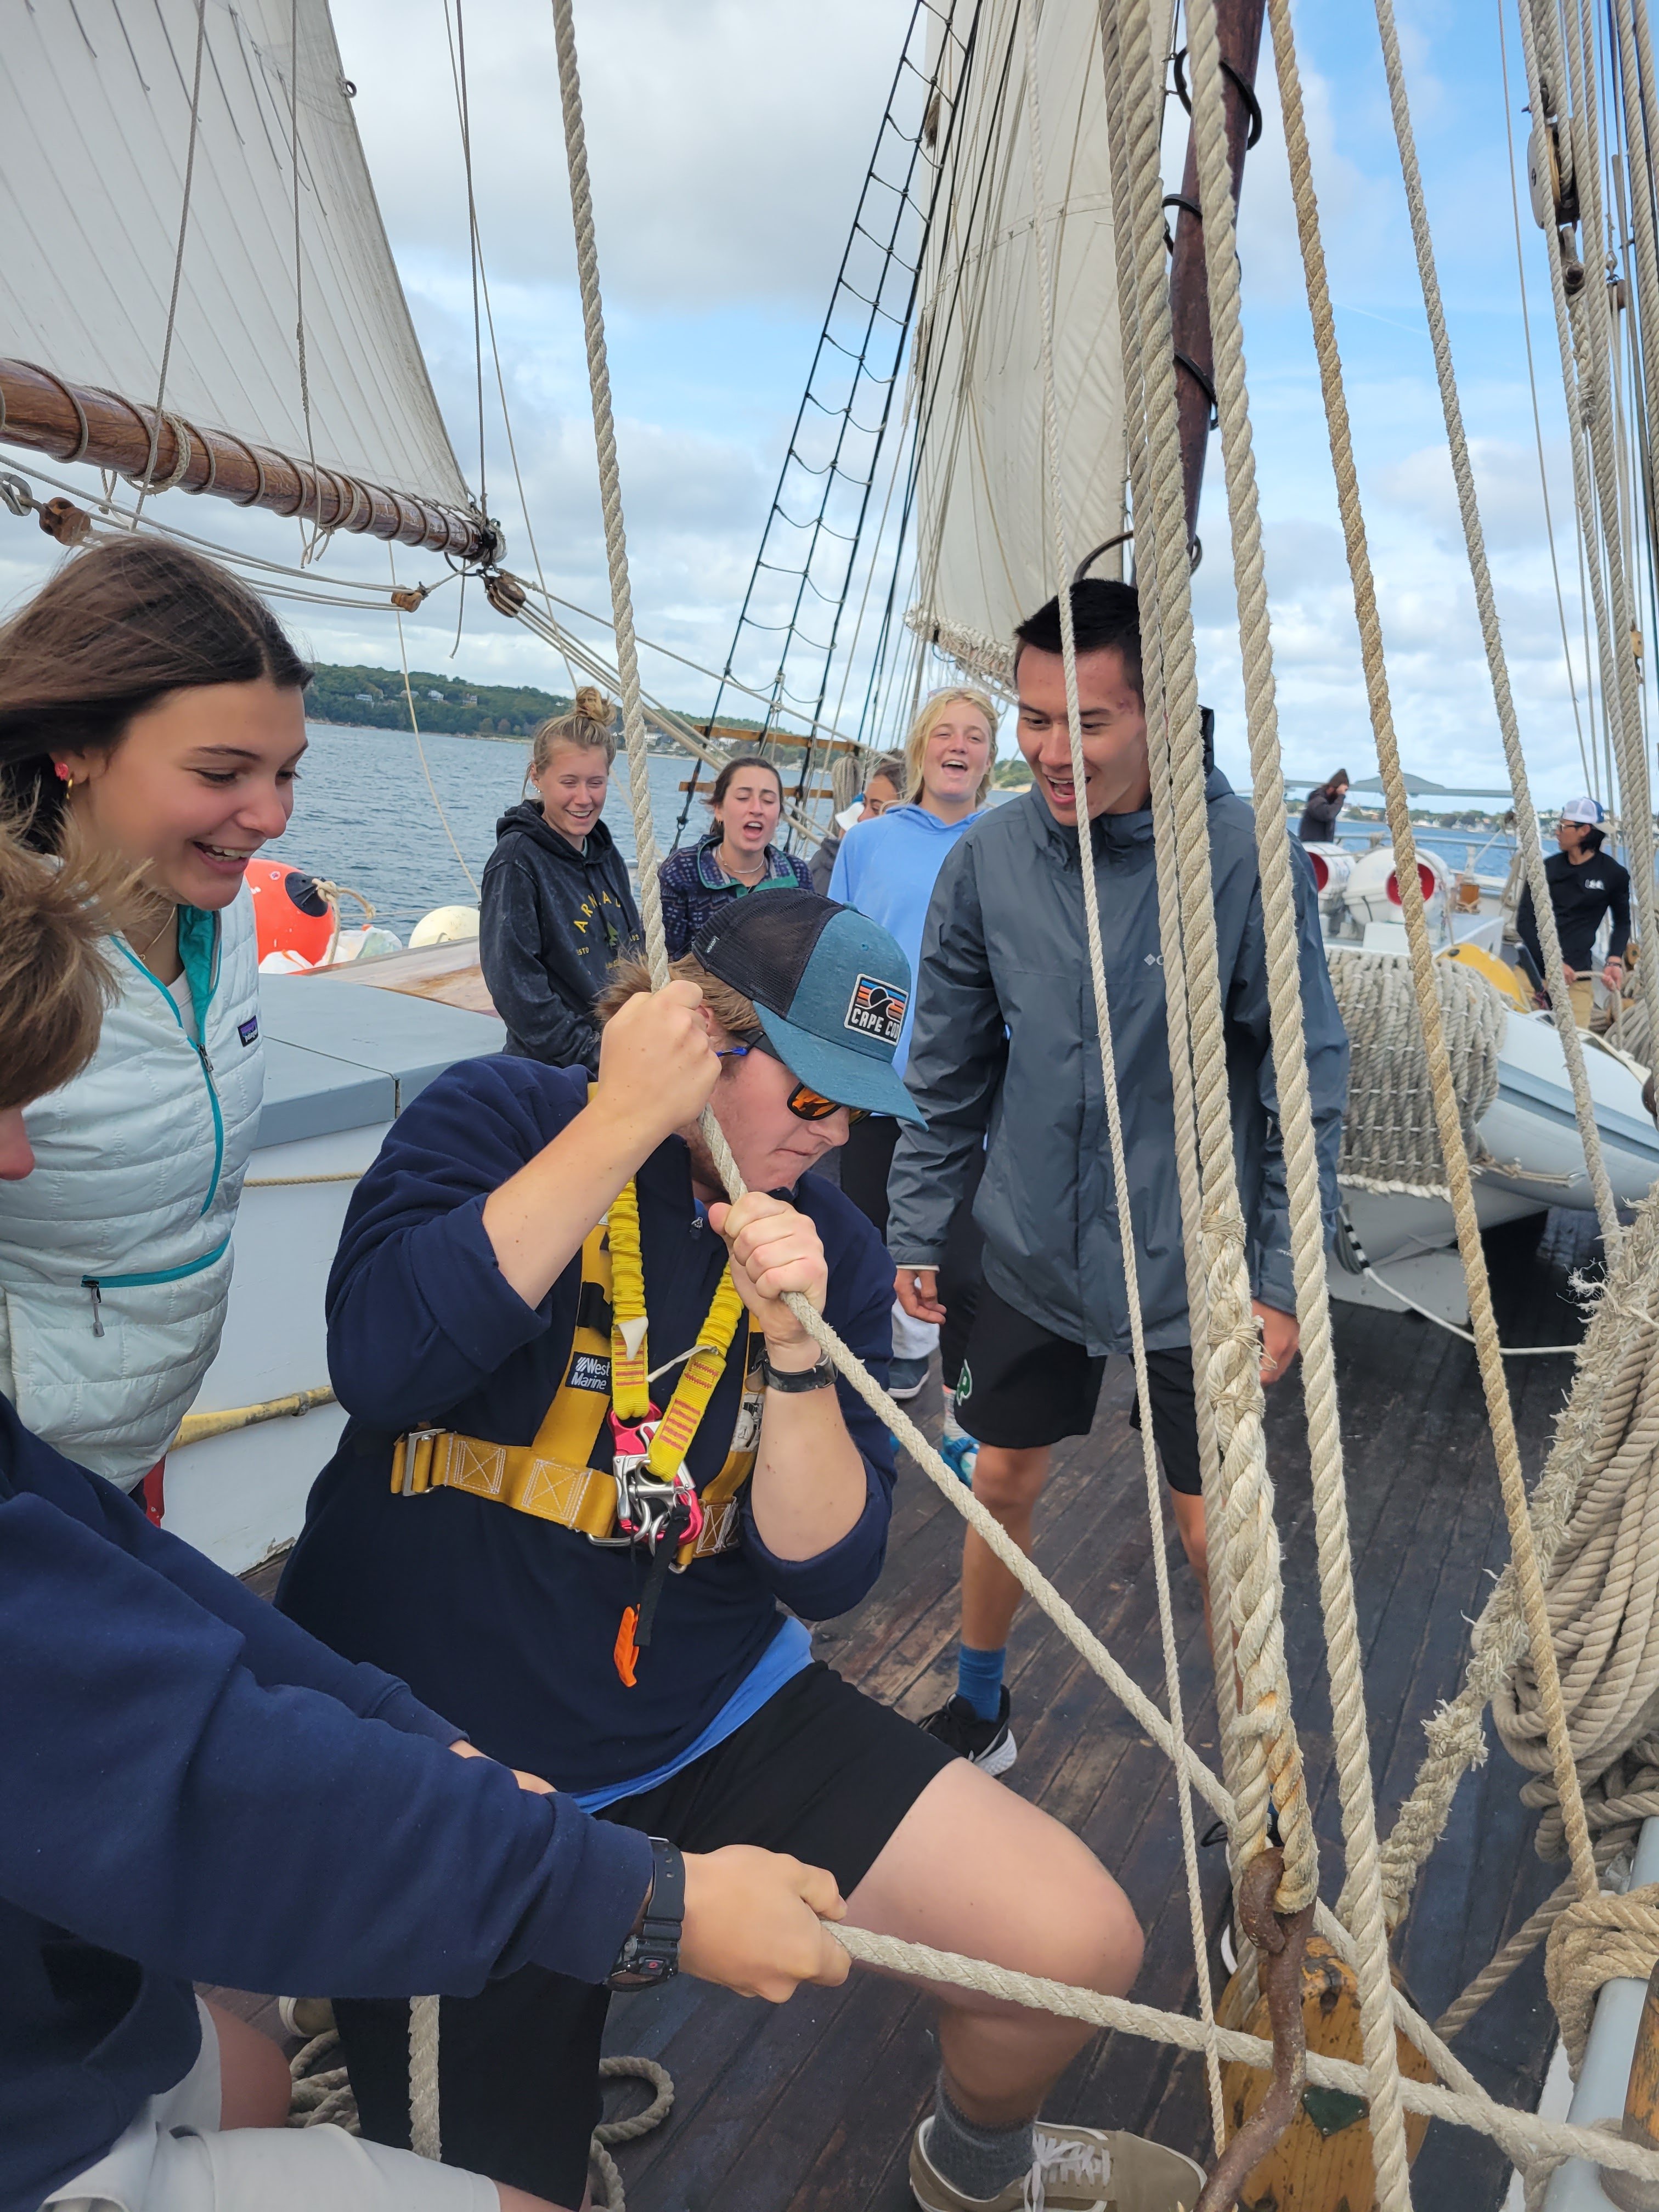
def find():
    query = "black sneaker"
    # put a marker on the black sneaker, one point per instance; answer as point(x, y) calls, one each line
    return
point(989, 1744)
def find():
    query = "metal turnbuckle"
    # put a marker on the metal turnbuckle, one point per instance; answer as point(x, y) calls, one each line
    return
point(1281, 1939)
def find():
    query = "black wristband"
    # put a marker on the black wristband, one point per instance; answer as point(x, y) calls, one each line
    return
point(650, 1951)
point(818, 1377)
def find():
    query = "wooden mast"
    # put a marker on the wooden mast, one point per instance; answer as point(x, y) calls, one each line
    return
point(1239, 25)
point(76, 423)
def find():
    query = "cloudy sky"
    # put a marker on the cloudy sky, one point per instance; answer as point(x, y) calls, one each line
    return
point(728, 141)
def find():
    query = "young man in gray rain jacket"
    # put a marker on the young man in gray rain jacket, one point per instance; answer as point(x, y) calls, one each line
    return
point(1004, 1057)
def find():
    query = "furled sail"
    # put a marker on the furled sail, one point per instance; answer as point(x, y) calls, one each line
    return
point(94, 122)
point(985, 528)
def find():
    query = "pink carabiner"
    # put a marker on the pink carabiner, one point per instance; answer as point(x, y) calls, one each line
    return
point(687, 1489)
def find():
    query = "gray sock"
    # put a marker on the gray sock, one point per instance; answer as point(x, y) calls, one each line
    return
point(976, 2161)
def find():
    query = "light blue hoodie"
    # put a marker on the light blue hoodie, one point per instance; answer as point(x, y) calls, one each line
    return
point(887, 869)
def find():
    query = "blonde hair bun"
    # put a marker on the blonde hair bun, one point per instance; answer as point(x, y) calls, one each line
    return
point(587, 724)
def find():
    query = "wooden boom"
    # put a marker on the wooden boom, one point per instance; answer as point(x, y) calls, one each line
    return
point(76, 423)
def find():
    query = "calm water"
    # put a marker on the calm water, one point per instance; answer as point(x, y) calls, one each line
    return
point(363, 814)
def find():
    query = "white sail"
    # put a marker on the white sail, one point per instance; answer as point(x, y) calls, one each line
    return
point(94, 118)
point(985, 534)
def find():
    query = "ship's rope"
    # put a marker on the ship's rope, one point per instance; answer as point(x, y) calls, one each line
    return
point(904, 1429)
point(146, 482)
point(1233, 1337)
point(1526, 819)
point(1482, 1318)
point(1122, 1194)
point(322, 2097)
point(1133, 117)
point(1390, 1142)
point(1592, 331)
point(1337, 1592)
point(1602, 1586)
point(1269, 1765)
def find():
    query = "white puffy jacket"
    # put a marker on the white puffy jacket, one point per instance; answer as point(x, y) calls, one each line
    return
point(115, 1253)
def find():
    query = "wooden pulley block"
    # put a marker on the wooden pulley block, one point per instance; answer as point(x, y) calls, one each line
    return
point(1323, 2161)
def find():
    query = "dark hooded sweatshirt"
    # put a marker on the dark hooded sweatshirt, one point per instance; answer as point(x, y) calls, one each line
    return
point(552, 922)
point(194, 1789)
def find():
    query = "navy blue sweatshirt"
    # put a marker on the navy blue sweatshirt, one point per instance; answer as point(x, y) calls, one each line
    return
point(509, 1622)
point(196, 1791)
point(552, 921)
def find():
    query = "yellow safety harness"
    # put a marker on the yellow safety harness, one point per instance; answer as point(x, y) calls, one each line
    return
point(645, 1498)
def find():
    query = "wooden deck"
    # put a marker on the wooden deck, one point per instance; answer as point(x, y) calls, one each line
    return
point(809, 2108)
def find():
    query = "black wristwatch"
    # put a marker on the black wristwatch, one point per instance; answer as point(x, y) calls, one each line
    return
point(650, 1951)
point(818, 1377)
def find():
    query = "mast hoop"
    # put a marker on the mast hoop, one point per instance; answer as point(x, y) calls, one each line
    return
point(1240, 85)
point(183, 453)
point(1123, 537)
point(74, 399)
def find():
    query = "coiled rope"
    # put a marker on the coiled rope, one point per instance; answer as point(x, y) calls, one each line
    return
point(1389, 1139)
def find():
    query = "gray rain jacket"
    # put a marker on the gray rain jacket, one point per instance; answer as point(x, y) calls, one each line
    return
point(1005, 1053)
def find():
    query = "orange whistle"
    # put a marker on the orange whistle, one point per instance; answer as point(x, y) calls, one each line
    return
point(627, 1652)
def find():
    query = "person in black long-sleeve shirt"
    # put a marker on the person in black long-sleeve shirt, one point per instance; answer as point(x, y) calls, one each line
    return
point(556, 910)
point(1586, 883)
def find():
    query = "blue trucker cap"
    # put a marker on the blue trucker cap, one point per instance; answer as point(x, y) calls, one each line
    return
point(829, 985)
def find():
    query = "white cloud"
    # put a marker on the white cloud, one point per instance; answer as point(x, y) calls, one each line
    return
point(726, 139)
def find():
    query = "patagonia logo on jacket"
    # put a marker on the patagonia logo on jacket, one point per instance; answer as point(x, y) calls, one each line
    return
point(249, 1030)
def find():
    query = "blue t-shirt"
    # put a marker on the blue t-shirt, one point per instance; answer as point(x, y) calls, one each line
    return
point(506, 1623)
point(887, 869)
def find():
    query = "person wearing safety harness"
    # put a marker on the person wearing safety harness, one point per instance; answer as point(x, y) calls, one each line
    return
point(188, 1781)
point(595, 1481)
point(1004, 1055)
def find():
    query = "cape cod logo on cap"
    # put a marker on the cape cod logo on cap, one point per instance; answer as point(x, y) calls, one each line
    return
point(877, 1009)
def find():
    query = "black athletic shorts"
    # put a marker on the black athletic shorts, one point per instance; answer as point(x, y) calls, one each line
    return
point(1022, 1385)
point(821, 1772)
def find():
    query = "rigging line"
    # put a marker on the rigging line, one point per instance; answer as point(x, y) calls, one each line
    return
point(415, 725)
point(490, 321)
point(935, 79)
point(1532, 380)
point(309, 552)
point(459, 60)
point(698, 668)
point(128, 518)
point(178, 255)
point(870, 577)
point(1507, 1351)
point(955, 261)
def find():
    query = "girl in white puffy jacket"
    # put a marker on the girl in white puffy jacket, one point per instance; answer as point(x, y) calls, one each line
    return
point(151, 708)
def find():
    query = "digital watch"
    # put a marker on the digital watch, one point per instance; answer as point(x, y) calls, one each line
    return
point(650, 1951)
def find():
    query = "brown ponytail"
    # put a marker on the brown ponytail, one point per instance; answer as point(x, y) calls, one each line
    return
point(55, 980)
